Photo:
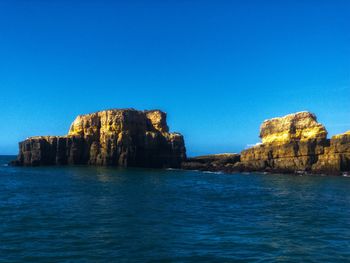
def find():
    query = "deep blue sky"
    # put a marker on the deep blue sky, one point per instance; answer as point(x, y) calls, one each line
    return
point(218, 68)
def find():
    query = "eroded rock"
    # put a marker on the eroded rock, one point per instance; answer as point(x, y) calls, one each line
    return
point(301, 126)
point(121, 137)
point(336, 157)
point(297, 143)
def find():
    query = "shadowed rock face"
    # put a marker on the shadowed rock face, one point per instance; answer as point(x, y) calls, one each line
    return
point(297, 142)
point(336, 157)
point(120, 137)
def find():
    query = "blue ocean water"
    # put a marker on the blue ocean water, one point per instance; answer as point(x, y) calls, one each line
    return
point(97, 214)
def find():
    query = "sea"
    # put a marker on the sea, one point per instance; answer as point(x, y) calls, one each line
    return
point(109, 214)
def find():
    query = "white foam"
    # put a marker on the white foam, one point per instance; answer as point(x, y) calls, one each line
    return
point(209, 172)
point(253, 145)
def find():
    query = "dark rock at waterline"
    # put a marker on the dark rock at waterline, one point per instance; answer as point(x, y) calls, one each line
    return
point(213, 162)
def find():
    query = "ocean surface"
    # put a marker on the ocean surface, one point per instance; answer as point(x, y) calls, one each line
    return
point(96, 214)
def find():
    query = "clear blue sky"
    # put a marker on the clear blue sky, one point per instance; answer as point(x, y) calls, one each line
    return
point(218, 68)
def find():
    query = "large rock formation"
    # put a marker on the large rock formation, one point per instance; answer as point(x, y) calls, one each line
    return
point(297, 143)
point(120, 137)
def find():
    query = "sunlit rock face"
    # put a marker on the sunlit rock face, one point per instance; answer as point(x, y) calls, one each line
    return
point(120, 137)
point(297, 143)
point(301, 126)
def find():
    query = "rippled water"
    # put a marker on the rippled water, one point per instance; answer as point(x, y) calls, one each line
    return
point(94, 214)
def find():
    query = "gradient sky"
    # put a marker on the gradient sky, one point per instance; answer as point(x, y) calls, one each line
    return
point(218, 68)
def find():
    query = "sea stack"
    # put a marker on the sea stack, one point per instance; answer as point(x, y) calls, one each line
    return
point(118, 137)
point(297, 143)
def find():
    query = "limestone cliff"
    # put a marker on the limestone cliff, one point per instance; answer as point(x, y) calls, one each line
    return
point(121, 137)
point(301, 126)
point(336, 157)
point(297, 143)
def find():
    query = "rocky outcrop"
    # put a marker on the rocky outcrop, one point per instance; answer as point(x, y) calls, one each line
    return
point(120, 137)
point(297, 143)
point(214, 162)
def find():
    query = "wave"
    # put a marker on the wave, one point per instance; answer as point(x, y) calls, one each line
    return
point(209, 172)
point(172, 169)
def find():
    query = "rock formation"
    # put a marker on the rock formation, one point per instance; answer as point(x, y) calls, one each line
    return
point(297, 143)
point(120, 137)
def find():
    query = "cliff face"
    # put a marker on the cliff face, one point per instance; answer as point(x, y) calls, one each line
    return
point(336, 157)
point(124, 137)
point(297, 142)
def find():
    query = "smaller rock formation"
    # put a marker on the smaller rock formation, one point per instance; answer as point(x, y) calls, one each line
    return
point(297, 143)
point(119, 137)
